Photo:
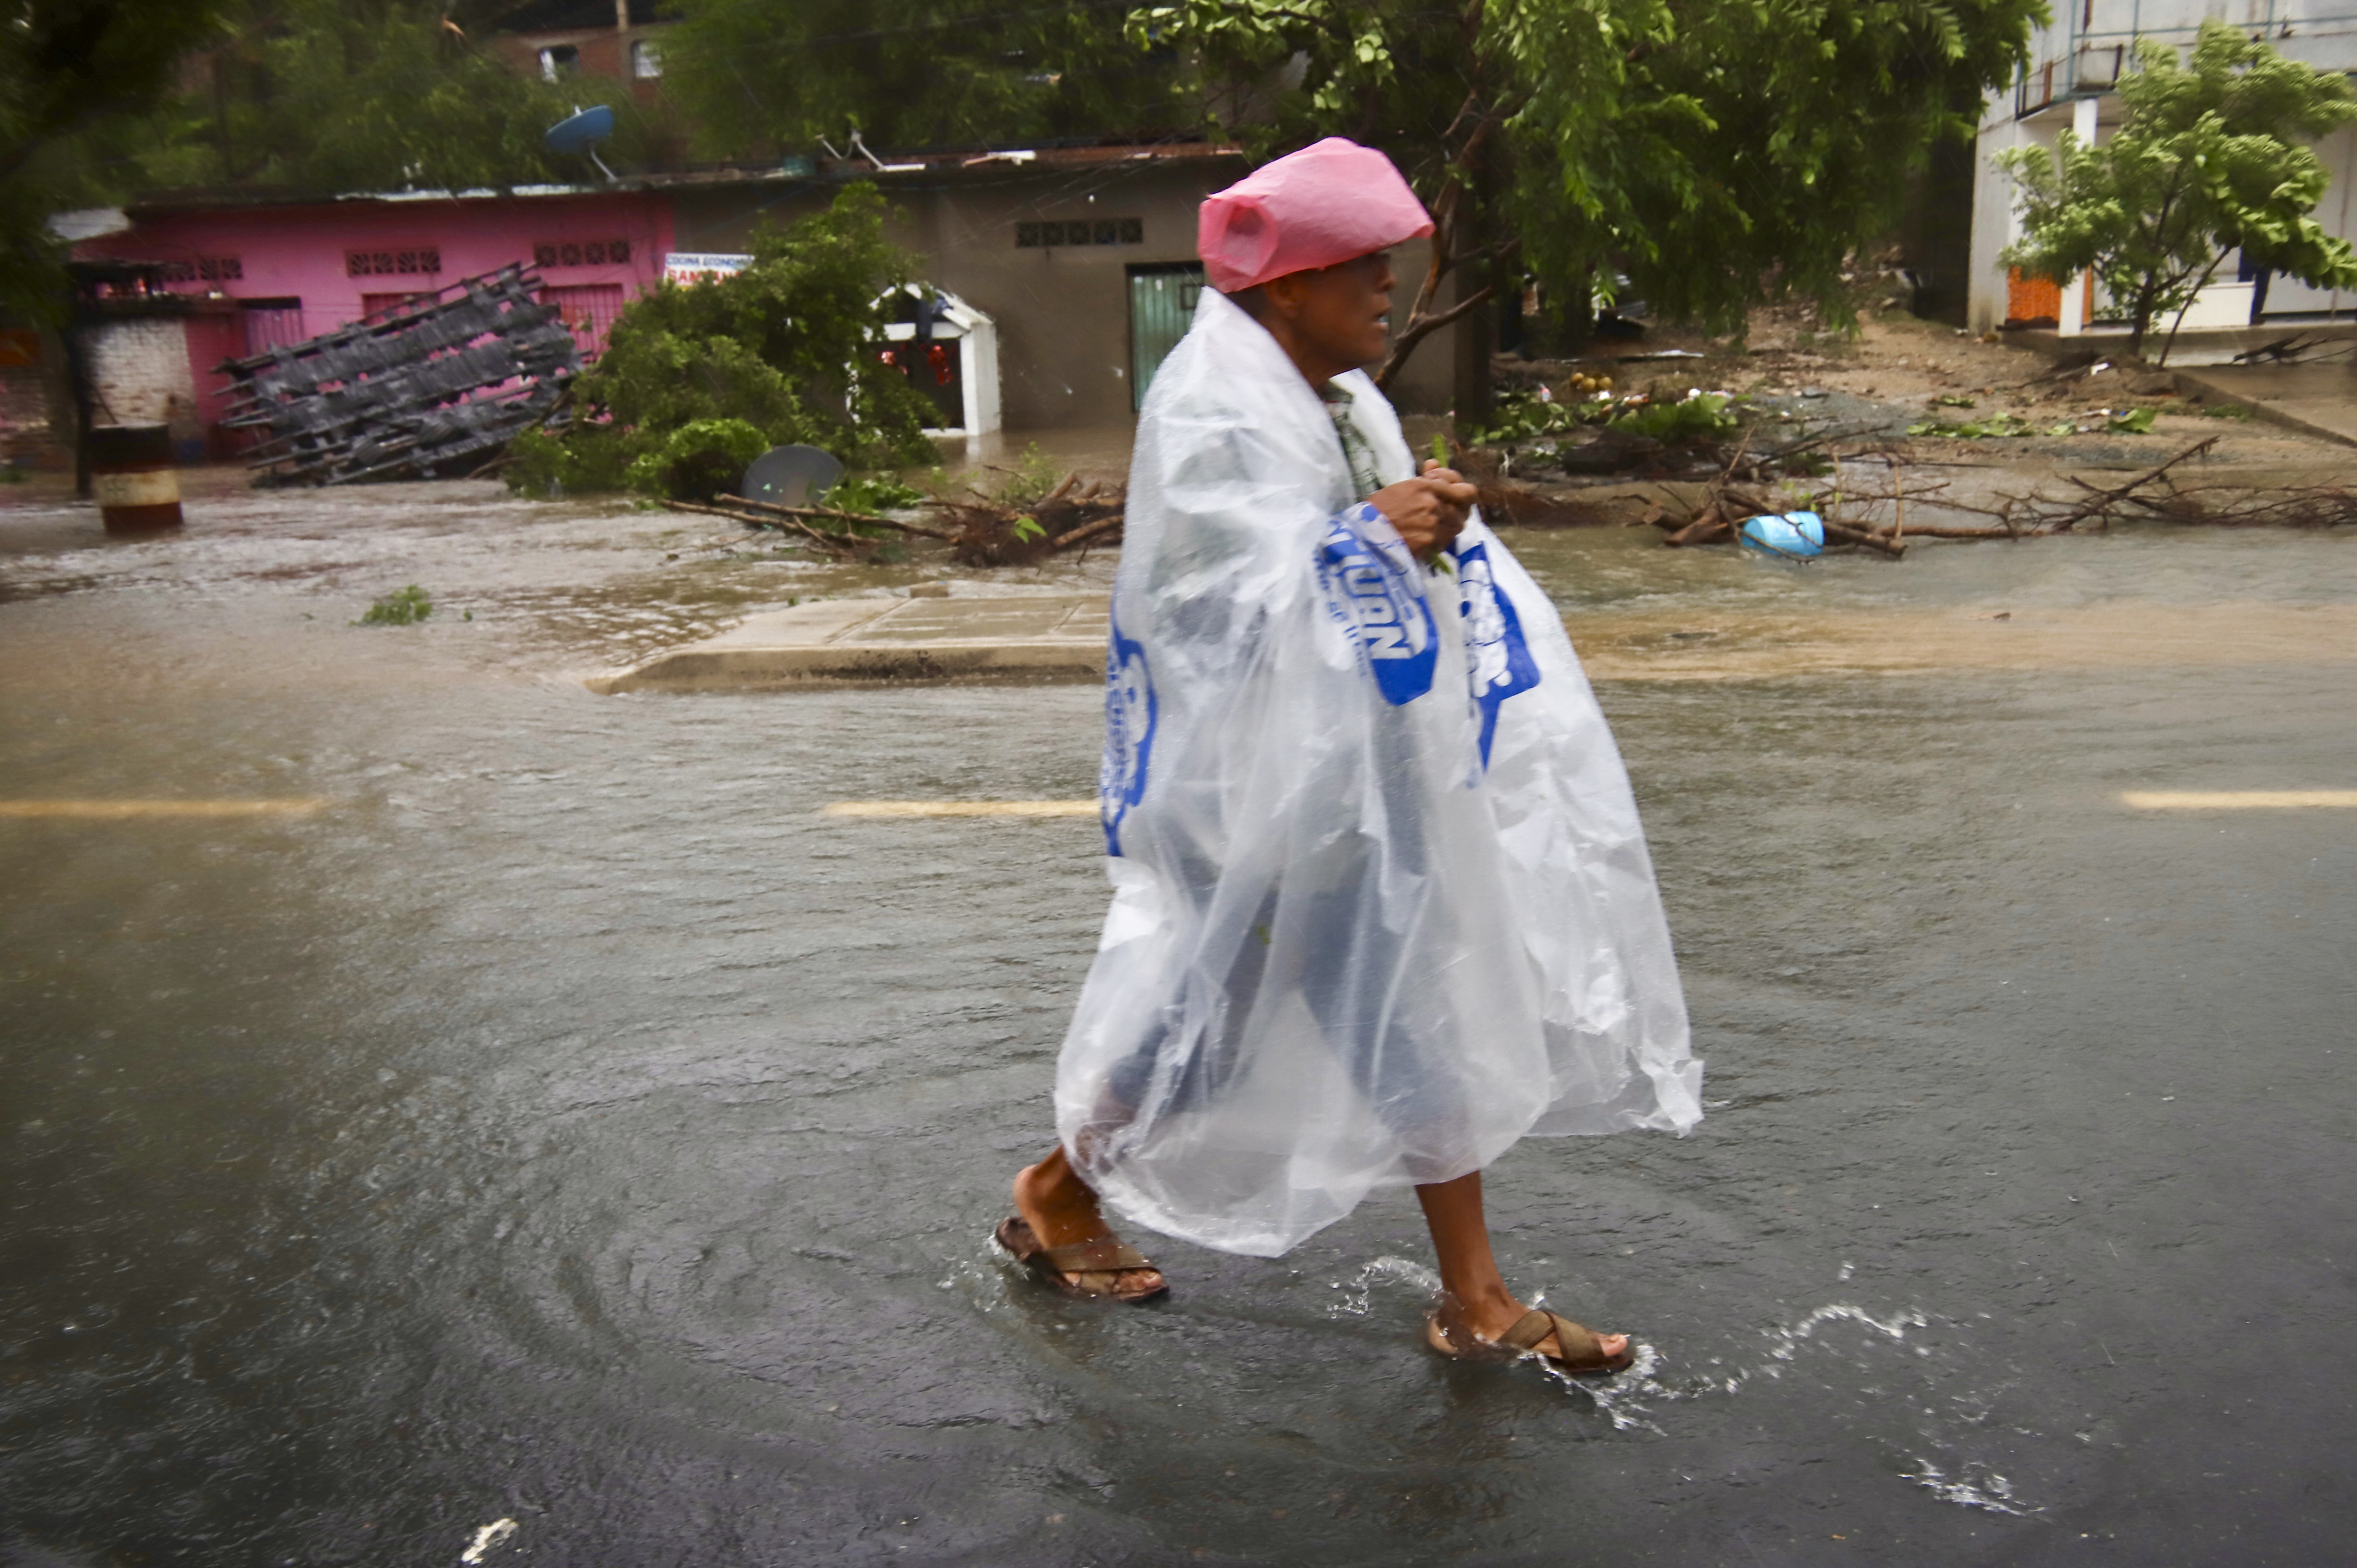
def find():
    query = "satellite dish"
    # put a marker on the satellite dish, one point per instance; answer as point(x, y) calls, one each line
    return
point(791, 475)
point(581, 131)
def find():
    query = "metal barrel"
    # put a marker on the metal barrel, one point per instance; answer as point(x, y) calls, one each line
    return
point(131, 474)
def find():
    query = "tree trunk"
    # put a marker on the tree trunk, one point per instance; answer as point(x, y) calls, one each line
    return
point(80, 393)
point(2139, 323)
point(1477, 333)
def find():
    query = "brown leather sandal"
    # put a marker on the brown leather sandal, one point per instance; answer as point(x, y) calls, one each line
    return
point(1582, 1350)
point(1074, 1267)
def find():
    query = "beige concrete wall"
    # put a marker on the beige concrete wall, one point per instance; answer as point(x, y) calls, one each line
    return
point(1062, 311)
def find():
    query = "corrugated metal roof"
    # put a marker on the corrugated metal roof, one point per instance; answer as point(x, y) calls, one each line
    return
point(911, 167)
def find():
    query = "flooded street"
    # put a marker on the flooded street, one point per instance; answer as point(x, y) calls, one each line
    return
point(544, 1113)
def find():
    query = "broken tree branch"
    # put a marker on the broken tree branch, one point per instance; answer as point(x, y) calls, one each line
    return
point(2102, 501)
point(836, 544)
point(809, 511)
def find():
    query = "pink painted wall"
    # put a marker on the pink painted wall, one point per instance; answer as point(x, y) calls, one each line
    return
point(300, 253)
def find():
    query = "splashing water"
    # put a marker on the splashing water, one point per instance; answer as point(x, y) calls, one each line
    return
point(1384, 1271)
point(1789, 1338)
point(490, 1535)
point(1992, 1492)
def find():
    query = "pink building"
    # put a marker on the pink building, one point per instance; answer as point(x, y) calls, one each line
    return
point(275, 274)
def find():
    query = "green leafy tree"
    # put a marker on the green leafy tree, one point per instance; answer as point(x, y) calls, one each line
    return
point(74, 74)
point(785, 348)
point(1719, 153)
point(2208, 161)
point(760, 78)
point(333, 95)
point(104, 100)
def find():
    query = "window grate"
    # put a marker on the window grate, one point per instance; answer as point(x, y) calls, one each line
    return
point(392, 264)
point(581, 253)
point(204, 268)
point(1080, 232)
point(588, 310)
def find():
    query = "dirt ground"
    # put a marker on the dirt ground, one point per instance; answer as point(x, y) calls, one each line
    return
point(1861, 395)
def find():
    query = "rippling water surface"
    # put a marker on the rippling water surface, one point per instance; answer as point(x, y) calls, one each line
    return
point(566, 1123)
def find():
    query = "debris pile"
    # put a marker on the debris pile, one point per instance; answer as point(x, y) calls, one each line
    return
point(835, 533)
point(1007, 528)
point(428, 388)
point(1876, 519)
point(1010, 531)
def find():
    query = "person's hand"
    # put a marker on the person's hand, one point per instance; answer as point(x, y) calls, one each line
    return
point(1428, 511)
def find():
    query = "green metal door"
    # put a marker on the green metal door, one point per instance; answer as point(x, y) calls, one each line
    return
point(1161, 306)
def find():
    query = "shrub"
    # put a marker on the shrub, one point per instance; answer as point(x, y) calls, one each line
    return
point(403, 607)
point(1702, 417)
point(873, 493)
point(700, 460)
point(784, 351)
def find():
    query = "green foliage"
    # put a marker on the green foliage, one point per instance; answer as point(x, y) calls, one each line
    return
point(701, 459)
point(549, 464)
point(76, 79)
point(2225, 411)
point(2209, 160)
point(2007, 426)
point(405, 607)
point(335, 95)
point(1028, 482)
point(1719, 153)
point(1705, 417)
point(784, 348)
point(873, 493)
point(1955, 400)
point(762, 78)
point(1518, 416)
point(102, 102)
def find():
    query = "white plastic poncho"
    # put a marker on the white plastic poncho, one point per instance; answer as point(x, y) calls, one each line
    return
point(1382, 903)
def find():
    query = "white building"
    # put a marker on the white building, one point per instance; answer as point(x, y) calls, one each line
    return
point(2075, 61)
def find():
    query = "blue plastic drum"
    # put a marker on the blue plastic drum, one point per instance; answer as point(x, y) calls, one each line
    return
point(1794, 536)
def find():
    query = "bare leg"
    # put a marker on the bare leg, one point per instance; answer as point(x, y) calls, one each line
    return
point(1478, 1299)
point(1062, 1208)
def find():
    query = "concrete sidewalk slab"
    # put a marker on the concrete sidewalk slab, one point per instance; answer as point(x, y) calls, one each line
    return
point(1009, 639)
point(2316, 396)
point(2316, 400)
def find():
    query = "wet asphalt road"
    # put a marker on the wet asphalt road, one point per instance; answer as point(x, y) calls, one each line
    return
point(566, 1124)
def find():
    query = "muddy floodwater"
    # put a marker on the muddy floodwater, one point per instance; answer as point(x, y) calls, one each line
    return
point(484, 1117)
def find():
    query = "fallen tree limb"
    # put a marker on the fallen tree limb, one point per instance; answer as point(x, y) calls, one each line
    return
point(1084, 532)
point(2101, 502)
point(836, 544)
point(1888, 544)
point(860, 517)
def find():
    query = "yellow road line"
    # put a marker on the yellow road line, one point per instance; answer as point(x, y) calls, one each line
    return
point(109, 811)
point(2233, 800)
point(962, 809)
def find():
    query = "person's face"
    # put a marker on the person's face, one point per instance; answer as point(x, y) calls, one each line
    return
point(1341, 314)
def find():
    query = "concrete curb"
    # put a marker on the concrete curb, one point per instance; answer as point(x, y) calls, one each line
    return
point(993, 641)
point(2260, 408)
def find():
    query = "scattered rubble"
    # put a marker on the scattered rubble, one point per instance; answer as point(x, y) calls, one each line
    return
point(1911, 429)
point(1007, 531)
point(1875, 518)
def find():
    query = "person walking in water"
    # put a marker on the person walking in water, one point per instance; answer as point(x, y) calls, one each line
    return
point(1381, 902)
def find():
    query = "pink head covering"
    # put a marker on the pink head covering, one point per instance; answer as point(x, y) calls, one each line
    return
point(1324, 204)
